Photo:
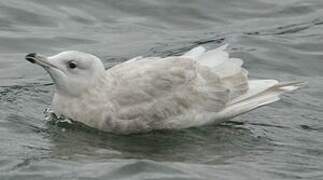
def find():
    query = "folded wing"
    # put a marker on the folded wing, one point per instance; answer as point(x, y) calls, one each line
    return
point(229, 70)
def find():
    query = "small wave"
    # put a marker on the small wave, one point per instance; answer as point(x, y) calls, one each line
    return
point(288, 29)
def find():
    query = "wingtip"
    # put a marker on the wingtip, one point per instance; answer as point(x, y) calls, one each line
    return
point(195, 52)
point(291, 86)
point(201, 48)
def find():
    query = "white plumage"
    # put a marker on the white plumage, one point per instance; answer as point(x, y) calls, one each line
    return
point(144, 94)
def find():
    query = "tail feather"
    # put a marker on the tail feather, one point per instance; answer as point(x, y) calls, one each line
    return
point(259, 96)
point(245, 95)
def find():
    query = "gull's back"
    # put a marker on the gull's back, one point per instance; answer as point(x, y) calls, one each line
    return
point(163, 93)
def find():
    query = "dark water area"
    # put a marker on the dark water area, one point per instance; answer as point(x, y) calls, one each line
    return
point(277, 39)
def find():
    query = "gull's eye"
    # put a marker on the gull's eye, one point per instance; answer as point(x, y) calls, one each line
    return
point(71, 64)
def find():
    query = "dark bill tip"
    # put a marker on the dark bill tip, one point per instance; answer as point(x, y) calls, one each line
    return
point(31, 57)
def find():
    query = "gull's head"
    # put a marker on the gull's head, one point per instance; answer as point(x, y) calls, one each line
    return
point(73, 72)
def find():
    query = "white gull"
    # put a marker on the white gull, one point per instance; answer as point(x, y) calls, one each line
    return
point(149, 93)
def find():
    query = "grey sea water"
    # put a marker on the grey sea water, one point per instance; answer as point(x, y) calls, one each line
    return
point(281, 39)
